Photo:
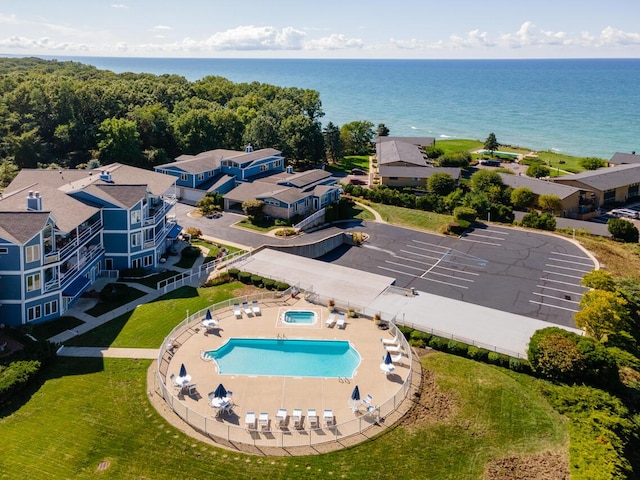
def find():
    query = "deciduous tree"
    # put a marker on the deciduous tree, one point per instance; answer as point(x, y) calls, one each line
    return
point(441, 183)
point(522, 198)
point(622, 230)
point(601, 313)
point(549, 203)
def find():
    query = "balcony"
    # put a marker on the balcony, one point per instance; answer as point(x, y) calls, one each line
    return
point(156, 214)
point(67, 249)
point(161, 235)
point(75, 267)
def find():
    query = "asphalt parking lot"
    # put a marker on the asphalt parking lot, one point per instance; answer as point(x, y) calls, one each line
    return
point(527, 273)
point(516, 271)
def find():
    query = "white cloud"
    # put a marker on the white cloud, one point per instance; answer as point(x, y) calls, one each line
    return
point(119, 5)
point(158, 28)
point(613, 36)
point(9, 19)
point(412, 44)
point(335, 41)
point(250, 37)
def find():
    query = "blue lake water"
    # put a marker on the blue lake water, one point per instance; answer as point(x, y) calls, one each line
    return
point(578, 106)
point(286, 358)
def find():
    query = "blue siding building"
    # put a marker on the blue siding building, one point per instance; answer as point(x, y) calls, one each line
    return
point(60, 230)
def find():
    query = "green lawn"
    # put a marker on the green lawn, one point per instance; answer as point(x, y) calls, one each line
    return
point(214, 249)
point(408, 217)
point(458, 145)
point(349, 162)
point(150, 323)
point(262, 228)
point(92, 410)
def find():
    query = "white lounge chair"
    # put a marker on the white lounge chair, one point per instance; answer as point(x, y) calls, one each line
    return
point(263, 421)
point(328, 418)
point(281, 417)
point(255, 308)
point(247, 308)
point(312, 415)
point(296, 416)
point(394, 348)
point(340, 322)
point(236, 310)
point(174, 383)
point(367, 400)
point(250, 420)
point(330, 322)
point(389, 341)
point(399, 358)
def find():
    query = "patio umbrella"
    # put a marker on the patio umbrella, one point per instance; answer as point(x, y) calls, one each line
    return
point(208, 315)
point(355, 395)
point(183, 371)
point(220, 392)
point(387, 359)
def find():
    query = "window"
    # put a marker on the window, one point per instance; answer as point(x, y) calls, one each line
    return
point(264, 167)
point(184, 177)
point(136, 263)
point(135, 239)
point(135, 216)
point(34, 313)
point(50, 308)
point(108, 264)
point(609, 196)
point(148, 260)
point(201, 176)
point(33, 282)
point(4, 250)
point(277, 163)
point(33, 253)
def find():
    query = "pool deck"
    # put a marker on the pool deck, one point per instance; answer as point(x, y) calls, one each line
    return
point(268, 394)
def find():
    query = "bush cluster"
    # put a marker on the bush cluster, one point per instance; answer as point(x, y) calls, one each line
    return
point(249, 278)
point(191, 251)
point(114, 291)
point(421, 339)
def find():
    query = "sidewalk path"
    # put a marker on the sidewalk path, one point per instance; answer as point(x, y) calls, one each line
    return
point(378, 217)
point(106, 352)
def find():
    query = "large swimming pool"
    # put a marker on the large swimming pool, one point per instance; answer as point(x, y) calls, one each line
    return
point(286, 358)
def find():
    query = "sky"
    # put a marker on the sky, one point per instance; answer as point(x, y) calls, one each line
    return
point(465, 29)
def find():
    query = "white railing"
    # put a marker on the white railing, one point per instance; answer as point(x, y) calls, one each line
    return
point(311, 219)
point(85, 258)
point(229, 434)
point(74, 244)
point(167, 202)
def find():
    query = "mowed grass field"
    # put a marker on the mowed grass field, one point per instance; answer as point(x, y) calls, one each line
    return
point(90, 411)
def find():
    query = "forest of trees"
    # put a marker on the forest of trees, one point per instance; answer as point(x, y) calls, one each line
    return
point(65, 114)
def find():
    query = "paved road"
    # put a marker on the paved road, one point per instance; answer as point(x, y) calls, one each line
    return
point(527, 273)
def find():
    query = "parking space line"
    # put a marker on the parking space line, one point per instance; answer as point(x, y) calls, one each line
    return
point(479, 241)
point(560, 281)
point(569, 255)
point(566, 268)
point(559, 290)
point(590, 265)
point(403, 265)
point(449, 276)
point(485, 236)
point(556, 298)
point(421, 255)
point(554, 306)
point(562, 274)
point(459, 271)
point(430, 245)
point(423, 278)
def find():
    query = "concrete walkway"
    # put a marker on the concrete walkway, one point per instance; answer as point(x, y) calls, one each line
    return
point(106, 352)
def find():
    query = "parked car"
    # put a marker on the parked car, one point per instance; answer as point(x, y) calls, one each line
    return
point(358, 171)
point(357, 181)
point(624, 212)
point(490, 163)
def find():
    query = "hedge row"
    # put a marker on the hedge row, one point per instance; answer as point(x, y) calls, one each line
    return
point(15, 376)
point(423, 339)
point(249, 278)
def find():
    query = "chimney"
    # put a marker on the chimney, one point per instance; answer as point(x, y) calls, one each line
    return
point(249, 148)
point(34, 201)
point(289, 169)
point(105, 176)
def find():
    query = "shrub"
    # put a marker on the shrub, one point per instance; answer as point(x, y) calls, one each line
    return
point(245, 277)
point(622, 230)
point(493, 357)
point(218, 280)
point(281, 286)
point(194, 232)
point(133, 272)
point(15, 377)
point(457, 348)
point(477, 353)
point(546, 221)
point(114, 291)
point(191, 251)
point(257, 280)
point(233, 273)
point(286, 232)
point(438, 343)
point(419, 339)
point(268, 283)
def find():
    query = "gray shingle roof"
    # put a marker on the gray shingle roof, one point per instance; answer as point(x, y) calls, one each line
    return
point(606, 178)
point(624, 158)
point(20, 227)
point(539, 187)
point(398, 151)
point(420, 141)
point(210, 160)
point(306, 178)
point(418, 172)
